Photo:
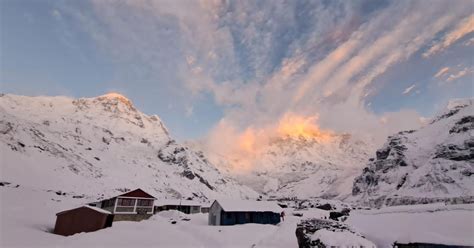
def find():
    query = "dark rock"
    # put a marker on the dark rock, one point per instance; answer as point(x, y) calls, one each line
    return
point(326, 206)
point(449, 114)
point(333, 215)
point(463, 125)
point(306, 228)
point(467, 172)
point(455, 152)
point(402, 181)
point(205, 182)
point(282, 205)
point(4, 183)
point(382, 153)
point(188, 174)
point(97, 158)
point(5, 127)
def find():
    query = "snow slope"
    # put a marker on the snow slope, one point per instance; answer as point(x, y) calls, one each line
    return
point(434, 163)
point(101, 146)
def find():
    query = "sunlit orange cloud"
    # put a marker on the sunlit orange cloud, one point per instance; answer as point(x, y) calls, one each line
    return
point(251, 142)
point(247, 140)
point(296, 126)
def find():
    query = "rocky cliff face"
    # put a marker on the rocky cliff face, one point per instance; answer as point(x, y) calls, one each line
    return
point(434, 163)
point(98, 146)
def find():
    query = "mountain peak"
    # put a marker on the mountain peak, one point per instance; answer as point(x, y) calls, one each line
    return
point(116, 97)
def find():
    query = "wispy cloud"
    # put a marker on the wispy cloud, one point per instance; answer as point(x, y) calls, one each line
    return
point(465, 27)
point(460, 74)
point(408, 89)
point(441, 72)
point(262, 61)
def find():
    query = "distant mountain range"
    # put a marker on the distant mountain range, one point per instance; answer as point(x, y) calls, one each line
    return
point(103, 145)
point(98, 146)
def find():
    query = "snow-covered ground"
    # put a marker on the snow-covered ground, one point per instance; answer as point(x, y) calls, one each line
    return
point(28, 216)
point(431, 223)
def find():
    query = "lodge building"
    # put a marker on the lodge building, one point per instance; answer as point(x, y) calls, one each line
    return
point(231, 212)
point(135, 205)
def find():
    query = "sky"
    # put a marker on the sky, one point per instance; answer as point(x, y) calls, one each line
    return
point(221, 68)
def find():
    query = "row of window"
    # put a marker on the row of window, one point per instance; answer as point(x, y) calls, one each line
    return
point(131, 202)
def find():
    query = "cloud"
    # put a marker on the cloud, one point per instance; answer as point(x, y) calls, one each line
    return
point(441, 72)
point(459, 74)
point(465, 27)
point(408, 89)
point(469, 42)
point(262, 62)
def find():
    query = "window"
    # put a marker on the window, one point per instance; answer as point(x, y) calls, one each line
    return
point(126, 202)
point(145, 203)
point(108, 203)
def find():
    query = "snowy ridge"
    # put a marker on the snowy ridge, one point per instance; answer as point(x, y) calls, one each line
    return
point(101, 146)
point(432, 164)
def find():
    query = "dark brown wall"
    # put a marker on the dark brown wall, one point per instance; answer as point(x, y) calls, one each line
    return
point(80, 220)
point(131, 217)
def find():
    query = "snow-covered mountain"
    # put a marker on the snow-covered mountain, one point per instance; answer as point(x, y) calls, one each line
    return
point(304, 166)
point(434, 163)
point(101, 145)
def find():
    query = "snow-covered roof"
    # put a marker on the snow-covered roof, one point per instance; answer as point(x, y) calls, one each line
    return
point(100, 210)
point(177, 202)
point(206, 205)
point(231, 205)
